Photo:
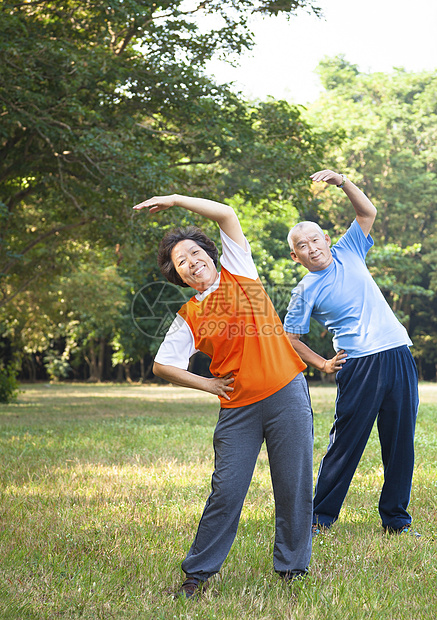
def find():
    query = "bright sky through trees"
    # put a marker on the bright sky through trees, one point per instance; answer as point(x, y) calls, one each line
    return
point(376, 35)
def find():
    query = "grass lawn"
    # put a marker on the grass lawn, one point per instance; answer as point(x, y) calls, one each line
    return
point(102, 488)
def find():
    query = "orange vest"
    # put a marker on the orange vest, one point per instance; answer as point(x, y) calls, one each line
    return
point(238, 328)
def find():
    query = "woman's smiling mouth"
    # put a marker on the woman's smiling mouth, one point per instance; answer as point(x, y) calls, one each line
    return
point(198, 270)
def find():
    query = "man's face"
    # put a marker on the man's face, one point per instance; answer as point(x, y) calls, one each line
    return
point(311, 248)
point(194, 266)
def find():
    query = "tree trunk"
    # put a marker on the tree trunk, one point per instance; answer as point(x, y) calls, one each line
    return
point(127, 372)
point(148, 370)
point(92, 363)
point(101, 360)
point(120, 373)
point(31, 367)
point(419, 369)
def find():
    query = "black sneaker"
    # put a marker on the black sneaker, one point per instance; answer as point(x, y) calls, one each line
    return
point(293, 575)
point(191, 588)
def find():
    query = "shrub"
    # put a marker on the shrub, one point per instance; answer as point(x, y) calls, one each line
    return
point(57, 366)
point(8, 383)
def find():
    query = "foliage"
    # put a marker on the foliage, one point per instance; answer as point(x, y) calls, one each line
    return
point(105, 104)
point(8, 383)
point(9, 368)
point(102, 104)
point(57, 366)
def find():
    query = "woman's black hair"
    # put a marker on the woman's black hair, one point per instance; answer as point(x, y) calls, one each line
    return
point(171, 239)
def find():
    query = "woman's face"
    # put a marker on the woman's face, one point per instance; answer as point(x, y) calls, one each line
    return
point(194, 266)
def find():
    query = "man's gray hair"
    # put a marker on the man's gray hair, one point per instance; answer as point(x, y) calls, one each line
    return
point(298, 227)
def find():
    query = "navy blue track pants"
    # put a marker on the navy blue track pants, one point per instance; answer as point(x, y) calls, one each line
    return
point(380, 387)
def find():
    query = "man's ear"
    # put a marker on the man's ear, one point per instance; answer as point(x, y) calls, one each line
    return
point(294, 257)
point(328, 239)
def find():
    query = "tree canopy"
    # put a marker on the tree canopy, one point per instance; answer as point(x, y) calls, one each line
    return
point(103, 104)
point(106, 103)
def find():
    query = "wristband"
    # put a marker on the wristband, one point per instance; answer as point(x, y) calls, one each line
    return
point(344, 177)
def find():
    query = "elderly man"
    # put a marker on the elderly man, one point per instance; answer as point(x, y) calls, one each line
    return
point(376, 374)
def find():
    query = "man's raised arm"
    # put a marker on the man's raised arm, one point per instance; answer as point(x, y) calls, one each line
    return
point(364, 208)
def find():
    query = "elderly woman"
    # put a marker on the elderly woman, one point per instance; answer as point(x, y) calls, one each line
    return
point(258, 378)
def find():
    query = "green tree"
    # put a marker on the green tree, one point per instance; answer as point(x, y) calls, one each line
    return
point(100, 103)
point(71, 319)
point(105, 103)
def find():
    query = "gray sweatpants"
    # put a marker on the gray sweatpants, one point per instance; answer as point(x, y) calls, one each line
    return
point(284, 420)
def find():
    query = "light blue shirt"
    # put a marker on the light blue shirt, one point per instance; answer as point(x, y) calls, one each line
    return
point(346, 300)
